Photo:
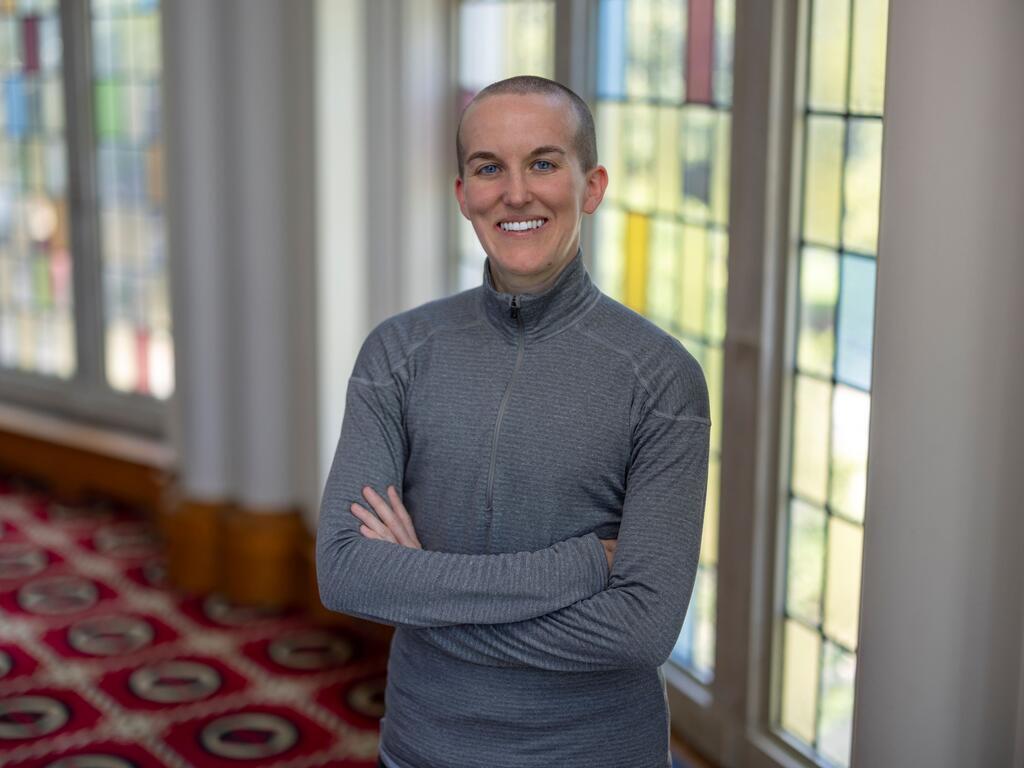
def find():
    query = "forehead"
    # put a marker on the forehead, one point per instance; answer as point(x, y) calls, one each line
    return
point(510, 121)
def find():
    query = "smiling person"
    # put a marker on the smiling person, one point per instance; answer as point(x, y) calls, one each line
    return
point(519, 483)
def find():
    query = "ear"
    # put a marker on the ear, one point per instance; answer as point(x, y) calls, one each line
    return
point(597, 183)
point(460, 195)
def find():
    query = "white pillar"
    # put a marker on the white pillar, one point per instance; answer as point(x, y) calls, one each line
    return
point(197, 198)
point(940, 651)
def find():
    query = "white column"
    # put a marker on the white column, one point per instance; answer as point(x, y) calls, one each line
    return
point(941, 625)
point(196, 212)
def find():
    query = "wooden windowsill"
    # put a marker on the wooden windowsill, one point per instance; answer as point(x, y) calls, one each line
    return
point(102, 441)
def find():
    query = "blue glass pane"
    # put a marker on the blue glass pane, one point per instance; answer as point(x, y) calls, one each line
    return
point(611, 64)
point(15, 106)
point(856, 321)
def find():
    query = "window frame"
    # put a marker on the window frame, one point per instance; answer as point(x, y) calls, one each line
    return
point(86, 396)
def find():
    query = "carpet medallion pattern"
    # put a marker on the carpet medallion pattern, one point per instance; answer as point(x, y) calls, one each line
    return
point(102, 665)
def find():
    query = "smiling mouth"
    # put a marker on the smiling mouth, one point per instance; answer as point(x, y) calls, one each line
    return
point(521, 227)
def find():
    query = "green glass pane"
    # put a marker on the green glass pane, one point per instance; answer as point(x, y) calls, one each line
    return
point(668, 35)
point(640, 54)
point(709, 534)
point(862, 183)
point(693, 281)
point(108, 109)
point(713, 366)
point(666, 239)
point(819, 291)
point(835, 730)
point(867, 74)
point(52, 106)
point(717, 284)
point(640, 135)
point(842, 583)
point(822, 176)
point(805, 562)
point(609, 148)
point(851, 413)
point(670, 161)
point(720, 169)
point(810, 438)
point(800, 670)
point(830, 41)
point(699, 136)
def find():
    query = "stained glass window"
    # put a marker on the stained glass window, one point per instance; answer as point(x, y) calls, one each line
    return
point(831, 372)
point(498, 39)
point(664, 96)
point(129, 152)
point(36, 311)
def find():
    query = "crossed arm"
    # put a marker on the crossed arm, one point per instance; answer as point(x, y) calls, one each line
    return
point(554, 609)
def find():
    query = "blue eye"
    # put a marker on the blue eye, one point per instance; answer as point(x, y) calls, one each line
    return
point(547, 165)
point(484, 169)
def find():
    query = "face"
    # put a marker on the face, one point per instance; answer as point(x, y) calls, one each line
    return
point(523, 187)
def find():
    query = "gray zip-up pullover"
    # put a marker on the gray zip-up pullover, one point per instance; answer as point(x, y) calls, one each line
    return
point(519, 430)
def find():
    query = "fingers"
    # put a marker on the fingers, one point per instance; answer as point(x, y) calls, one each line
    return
point(391, 523)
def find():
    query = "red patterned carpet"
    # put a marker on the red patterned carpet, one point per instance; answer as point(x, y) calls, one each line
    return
point(103, 666)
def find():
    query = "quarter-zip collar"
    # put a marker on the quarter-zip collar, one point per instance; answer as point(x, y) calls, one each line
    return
point(540, 314)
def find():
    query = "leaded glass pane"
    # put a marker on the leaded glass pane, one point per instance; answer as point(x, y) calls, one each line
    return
point(831, 373)
point(36, 295)
point(129, 171)
point(664, 88)
point(499, 39)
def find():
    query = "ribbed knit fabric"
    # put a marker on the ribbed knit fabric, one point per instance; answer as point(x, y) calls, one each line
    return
point(518, 437)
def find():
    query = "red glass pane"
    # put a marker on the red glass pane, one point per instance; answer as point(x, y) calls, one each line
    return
point(699, 51)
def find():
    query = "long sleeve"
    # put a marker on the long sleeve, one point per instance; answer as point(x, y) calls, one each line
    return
point(401, 586)
point(635, 622)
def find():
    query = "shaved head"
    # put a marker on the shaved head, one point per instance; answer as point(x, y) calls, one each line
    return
point(584, 139)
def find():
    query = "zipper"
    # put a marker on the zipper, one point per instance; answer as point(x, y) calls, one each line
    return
point(514, 312)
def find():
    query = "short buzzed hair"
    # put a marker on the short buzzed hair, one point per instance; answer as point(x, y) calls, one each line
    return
point(585, 140)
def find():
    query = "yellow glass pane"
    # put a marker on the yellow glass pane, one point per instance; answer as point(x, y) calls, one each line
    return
point(640, 129)
point(717, 284)
point(851, 413)
point(670, 163)
point(720, 169)
point(867, 74)
point(819, 291)
point(666, 237)
point(122, 358)
point(822, 176)
point(609, 245)
point(835, 729)
point(640, 54)
point(161, 364)
point(692, 281)
point(842, 585)
point(709, 534)
point(609, 148)
point(637, 238)
point(805, 561)
point(862, 183)
point(810, 438)
point(801, 648)
point(830, 40)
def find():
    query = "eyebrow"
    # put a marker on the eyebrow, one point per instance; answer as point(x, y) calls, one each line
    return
point(545, 150)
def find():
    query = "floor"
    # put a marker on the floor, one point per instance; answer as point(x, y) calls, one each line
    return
point(100, 658)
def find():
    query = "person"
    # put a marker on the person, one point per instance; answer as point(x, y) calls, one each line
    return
point(519, 483)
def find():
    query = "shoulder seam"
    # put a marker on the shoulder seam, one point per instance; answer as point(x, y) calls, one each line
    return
point(411, 351)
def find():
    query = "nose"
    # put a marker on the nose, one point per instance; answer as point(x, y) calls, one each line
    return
point(517, 189)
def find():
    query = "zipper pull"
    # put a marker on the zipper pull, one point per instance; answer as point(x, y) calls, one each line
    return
point(515, 307)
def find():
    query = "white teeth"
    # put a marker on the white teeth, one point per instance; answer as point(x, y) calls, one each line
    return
point(521, 226)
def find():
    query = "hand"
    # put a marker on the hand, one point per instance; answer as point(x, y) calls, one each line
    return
point(609, 550)
point(391, 523)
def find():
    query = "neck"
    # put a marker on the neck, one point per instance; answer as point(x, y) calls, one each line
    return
point(517, 284)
